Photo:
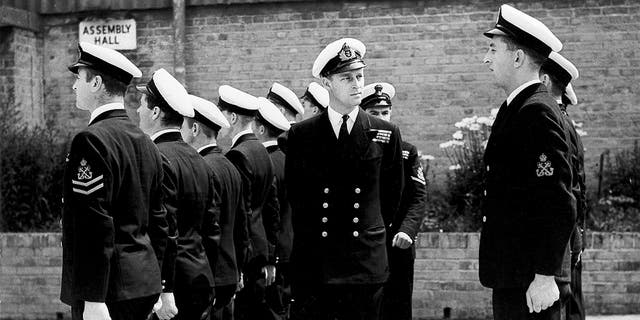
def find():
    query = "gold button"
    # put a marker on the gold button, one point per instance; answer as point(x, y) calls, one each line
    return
point(356, 205)
point(164, 281)
point(487, 168)
point(356, 220)
point(325, 205)
point(484, 218)
point(324, 219)
point(326, 190)
point(485, 192)
point(324, 234)
point(357, 190)
point(356, 234)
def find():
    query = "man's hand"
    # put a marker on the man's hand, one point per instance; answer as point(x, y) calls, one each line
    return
point(402, 240)
point(157, 306)
point(168, 307)
point(95, 311)
point(542, 293)
point(269, 272)
point(240, 283)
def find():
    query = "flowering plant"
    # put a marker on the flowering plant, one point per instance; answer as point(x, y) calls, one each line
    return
point(466, 176)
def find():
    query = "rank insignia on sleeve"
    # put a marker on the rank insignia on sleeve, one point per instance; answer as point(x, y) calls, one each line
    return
point(81, 185)
point(405, 154)
point(544, 167)
point(382, 136)
point(419, 176)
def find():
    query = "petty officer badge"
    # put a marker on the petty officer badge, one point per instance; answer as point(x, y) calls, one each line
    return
point(86, 184)
point(544, 167)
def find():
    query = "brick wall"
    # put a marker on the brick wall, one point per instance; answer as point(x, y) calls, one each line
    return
point(430, 50)
point(21, 73)
point(446, 276)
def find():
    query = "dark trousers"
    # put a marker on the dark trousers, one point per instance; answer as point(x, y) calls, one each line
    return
point(192, 301)
point(250, 302)
point(134, 309)
point(511, 304)
point(575, 305)
point(337, 302)
point(399, 287)
point(278, 295)
point(223, 309)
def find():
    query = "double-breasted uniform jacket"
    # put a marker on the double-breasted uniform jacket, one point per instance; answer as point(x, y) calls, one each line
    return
point(342, 196)
point(254, 164)
point(412, 205)
point(578, 186)
point(529, 210)
point(285, 234)
point(192, 214)
point(114, 228)
point(235, 236)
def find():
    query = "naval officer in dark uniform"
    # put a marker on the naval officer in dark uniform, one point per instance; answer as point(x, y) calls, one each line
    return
point(189, 198)
point(556, 74)
point(253, 162)
point(269, 124)
point(315, 100)
point(114, 228)
point(404, 229)
point(201, 133)
point(529, 209)
point(344, 181)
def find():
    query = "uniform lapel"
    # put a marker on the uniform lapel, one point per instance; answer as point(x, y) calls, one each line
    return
point(359, 135)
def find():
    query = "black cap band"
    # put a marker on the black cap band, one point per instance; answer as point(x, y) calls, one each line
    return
point(557, 71)
point(280, 101)
point(307, 94)
point(223, 105)
point(90, 61)
point(347, 59)
point(204, 120)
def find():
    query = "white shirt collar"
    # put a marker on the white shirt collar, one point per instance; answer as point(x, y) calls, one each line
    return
point(207, 146)
point(519, 89)
point(104, 108)
point(267, 144)
point(240, 134)
point(336, 119)
point(161, 132)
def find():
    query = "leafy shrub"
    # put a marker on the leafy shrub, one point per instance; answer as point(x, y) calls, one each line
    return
point(619, 208)
point(31, 173)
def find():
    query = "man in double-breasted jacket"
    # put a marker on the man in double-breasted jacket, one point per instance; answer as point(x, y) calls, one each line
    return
point(344, 180)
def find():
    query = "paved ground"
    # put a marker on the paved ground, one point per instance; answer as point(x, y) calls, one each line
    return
point(625, 317)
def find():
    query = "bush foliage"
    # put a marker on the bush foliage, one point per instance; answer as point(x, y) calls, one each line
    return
point(31, 172)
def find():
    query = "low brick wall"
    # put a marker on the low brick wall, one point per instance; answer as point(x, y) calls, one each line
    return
point(446, 276)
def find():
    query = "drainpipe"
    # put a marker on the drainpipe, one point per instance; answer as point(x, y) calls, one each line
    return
point(179, 12)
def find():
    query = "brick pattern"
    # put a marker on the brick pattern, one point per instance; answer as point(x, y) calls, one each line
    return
point(21, 73)
point(446, 276)
point(431, 51)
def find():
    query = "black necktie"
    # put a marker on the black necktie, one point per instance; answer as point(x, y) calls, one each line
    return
point(343, 134)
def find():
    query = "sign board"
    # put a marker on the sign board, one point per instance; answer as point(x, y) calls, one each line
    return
point(114, 34)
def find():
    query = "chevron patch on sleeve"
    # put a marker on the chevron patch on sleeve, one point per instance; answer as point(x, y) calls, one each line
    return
point(86, 183)
point(419, 176)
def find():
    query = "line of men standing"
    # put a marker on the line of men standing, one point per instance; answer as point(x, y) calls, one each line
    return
point(315, 219)
point(159, 223)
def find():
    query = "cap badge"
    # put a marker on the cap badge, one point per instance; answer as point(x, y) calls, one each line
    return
point(378, 89)
point(346, 53)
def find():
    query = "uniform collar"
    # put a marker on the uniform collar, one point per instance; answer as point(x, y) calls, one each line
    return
point(240, 134)
point(161, 132)
point(211, 145)
point(271, 143)
point(336, 119)
point(519, 89)
point(104, 108)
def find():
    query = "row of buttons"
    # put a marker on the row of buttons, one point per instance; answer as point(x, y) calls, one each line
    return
point(356, 190)
point(355, 234)
point(325, 205)
point(355, 220)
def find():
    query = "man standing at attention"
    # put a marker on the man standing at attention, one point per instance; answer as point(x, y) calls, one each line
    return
point(344, 181)
point(201, 132)
point(556, 74)
point(114, 228)
point(252, 161)
point(398, 290)
point(189, 198)
point(529, 210)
